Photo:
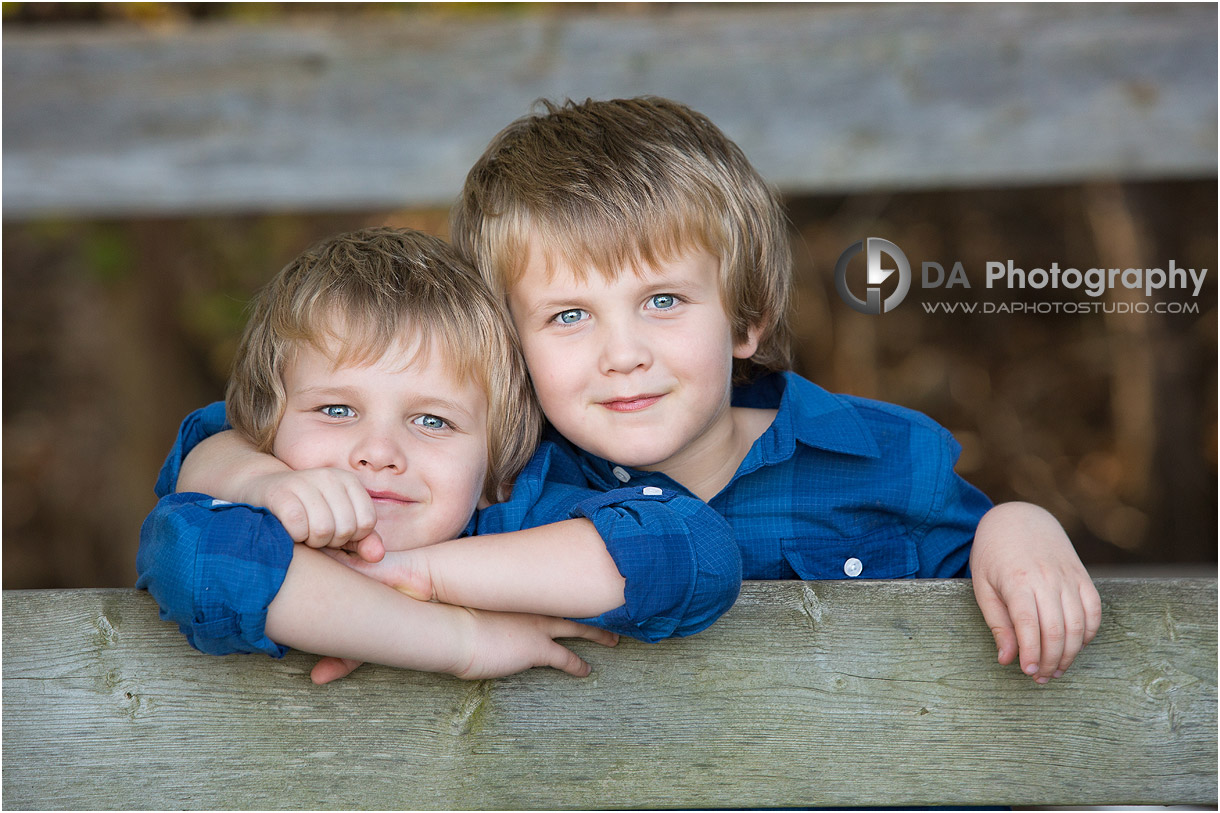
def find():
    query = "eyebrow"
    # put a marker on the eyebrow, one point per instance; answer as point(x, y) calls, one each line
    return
point(443, 405)
point(553, 306)
point(338, 392)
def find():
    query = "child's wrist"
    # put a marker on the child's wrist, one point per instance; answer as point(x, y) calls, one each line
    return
point(466, 623)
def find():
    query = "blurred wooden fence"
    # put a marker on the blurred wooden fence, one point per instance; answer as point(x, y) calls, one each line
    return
point(390, 111)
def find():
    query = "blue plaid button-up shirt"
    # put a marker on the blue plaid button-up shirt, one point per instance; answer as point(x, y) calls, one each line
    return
point(837, 487)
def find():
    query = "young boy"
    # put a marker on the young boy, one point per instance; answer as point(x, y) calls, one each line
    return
point(378, 362)
point(646, 268)
point(645, 265)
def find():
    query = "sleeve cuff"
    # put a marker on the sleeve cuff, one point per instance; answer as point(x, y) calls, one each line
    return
point(214, 568)
point(678, 556)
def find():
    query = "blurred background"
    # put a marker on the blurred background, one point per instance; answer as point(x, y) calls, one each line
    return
point(161, 161)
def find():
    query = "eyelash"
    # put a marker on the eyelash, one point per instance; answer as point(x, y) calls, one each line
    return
point(445, 423)
point(674, 297)
point(675, 300)
point(558, 318)
point(325, 411)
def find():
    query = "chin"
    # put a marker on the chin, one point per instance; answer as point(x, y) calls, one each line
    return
point(640, 461)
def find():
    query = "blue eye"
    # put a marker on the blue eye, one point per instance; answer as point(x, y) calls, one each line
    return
point(570, 317)
point(663, 301)
point(430, 422)
point(338, 411)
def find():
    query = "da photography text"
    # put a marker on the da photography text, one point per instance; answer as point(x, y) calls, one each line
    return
point(882, 259)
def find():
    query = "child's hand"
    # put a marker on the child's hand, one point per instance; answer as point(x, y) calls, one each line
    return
point(1033, 590)
point(502, 644)
point(323, 508)
point(404, 570)
point(507, 643)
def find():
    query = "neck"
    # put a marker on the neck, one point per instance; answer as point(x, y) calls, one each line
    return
point(706, 466)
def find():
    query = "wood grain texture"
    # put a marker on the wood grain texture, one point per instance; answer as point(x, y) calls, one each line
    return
point(356, 112)
point(804, 694)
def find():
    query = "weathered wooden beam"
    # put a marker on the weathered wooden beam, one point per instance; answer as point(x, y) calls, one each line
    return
point(823, 694)
point(391, 110)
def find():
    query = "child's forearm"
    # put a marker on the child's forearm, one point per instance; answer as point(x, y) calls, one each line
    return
point(326, 608)
point(560, 569)
point(220, 464)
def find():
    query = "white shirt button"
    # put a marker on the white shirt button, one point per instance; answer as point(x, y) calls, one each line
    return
point(652, 491)
point(853, 567)
point(620, 474)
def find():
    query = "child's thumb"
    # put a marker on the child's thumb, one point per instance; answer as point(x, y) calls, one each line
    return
point(371, 548)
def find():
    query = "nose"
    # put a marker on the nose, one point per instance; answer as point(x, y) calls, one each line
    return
point(378, 449)
point(624, 348)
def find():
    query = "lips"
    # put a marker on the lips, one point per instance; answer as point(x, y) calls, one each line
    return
point(633, 403)
point(389, 497)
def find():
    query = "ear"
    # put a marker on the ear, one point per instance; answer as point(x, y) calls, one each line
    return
point(748, 346)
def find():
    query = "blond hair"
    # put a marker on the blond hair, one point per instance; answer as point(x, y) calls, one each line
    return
point(378, 286)
point(609, 185)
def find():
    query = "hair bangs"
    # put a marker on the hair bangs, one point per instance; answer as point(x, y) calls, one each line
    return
point(590, 240)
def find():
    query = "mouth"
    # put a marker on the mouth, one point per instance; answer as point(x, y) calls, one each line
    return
point(633, 403)
point(389, 498)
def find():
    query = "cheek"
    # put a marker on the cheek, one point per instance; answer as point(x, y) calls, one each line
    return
point(550, 390)
point(466, 473)
point(291, 445)
point(554, 384)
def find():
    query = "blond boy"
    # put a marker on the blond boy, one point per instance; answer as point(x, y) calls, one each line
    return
point(646, 268)
point(374, 362)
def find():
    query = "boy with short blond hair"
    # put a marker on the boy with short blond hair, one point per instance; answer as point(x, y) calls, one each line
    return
point(377, 360)
point(646, 267)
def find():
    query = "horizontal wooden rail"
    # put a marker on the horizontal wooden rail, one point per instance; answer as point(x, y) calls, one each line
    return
point(377, 111)
point(804, 694)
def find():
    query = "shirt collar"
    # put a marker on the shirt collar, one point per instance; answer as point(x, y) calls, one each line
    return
point(807, 414)
point(604, 473)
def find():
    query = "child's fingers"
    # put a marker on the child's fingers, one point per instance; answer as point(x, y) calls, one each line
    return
point(319, 517)
point(565, 660)
point(1091, 600)
point(1052, 636)
point(1023, 610)
point(1074, 629)
point(292, 514)
point(996, 616)
point(365, 515)
point(337, 515)
point(1082, 614)
point(328, 669)
point(571, 629)
point(371, 548)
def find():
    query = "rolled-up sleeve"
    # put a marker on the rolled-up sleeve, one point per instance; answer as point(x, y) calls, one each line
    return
point(213, 568)
point(200, 424)
point(681, 564)
point(679, 557)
